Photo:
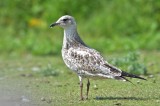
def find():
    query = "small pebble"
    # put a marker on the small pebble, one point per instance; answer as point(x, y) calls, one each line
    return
point(35, 69)
point(118, 104)
point(138, 82)
point(43, 99)
point(24, 99)
point(151, 76)
point(95, 87)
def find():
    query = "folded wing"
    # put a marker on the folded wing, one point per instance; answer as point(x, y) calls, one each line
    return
point(90, 62)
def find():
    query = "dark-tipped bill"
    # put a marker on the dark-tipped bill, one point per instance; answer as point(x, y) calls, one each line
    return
point(54, 24)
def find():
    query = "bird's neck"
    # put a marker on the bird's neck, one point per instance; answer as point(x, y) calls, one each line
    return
point(71, 37)
point(70, 33)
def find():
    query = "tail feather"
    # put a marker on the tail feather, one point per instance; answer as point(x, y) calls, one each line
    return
point(125, 74)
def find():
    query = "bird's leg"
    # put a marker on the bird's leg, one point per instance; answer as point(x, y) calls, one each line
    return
point(81, 92)
point(88, 84)
point(81, 88)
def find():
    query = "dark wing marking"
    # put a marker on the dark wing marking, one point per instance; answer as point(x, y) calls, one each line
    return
point(91, 62)
point(125, 74)
point(113, 70)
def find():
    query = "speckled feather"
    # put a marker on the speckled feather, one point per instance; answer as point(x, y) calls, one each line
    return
point(87, 62)
point(83, 60)
point(80, 58)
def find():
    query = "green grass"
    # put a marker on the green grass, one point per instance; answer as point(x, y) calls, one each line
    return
point(133, 25)
point(25, 77)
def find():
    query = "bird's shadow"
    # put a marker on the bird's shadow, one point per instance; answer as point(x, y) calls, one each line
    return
point(120, 98)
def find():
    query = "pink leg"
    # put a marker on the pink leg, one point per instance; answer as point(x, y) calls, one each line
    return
point(81, 88)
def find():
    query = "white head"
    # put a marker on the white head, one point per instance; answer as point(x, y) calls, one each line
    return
point(65, 22)
point(68, 23)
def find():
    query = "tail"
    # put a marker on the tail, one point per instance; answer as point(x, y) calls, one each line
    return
point(125, 74)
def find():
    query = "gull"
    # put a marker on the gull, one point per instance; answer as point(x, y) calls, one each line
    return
point(83, 60)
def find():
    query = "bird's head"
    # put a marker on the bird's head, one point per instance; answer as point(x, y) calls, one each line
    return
point(65, 22)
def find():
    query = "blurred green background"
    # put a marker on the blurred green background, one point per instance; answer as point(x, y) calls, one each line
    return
point(126, 32)
point(106, 25)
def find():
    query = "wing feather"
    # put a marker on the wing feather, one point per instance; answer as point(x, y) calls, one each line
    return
point(89, 62)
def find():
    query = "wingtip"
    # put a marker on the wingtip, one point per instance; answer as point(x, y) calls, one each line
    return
point(125, 74)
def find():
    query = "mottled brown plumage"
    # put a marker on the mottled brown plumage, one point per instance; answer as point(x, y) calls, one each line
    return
point(83, 60)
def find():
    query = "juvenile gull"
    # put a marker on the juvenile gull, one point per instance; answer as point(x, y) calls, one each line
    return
point(83, 60)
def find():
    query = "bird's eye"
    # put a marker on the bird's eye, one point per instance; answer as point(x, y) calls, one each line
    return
point(65, 19)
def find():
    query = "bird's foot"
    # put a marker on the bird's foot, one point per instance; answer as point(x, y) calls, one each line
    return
point(83, 98)
point(86, 97)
